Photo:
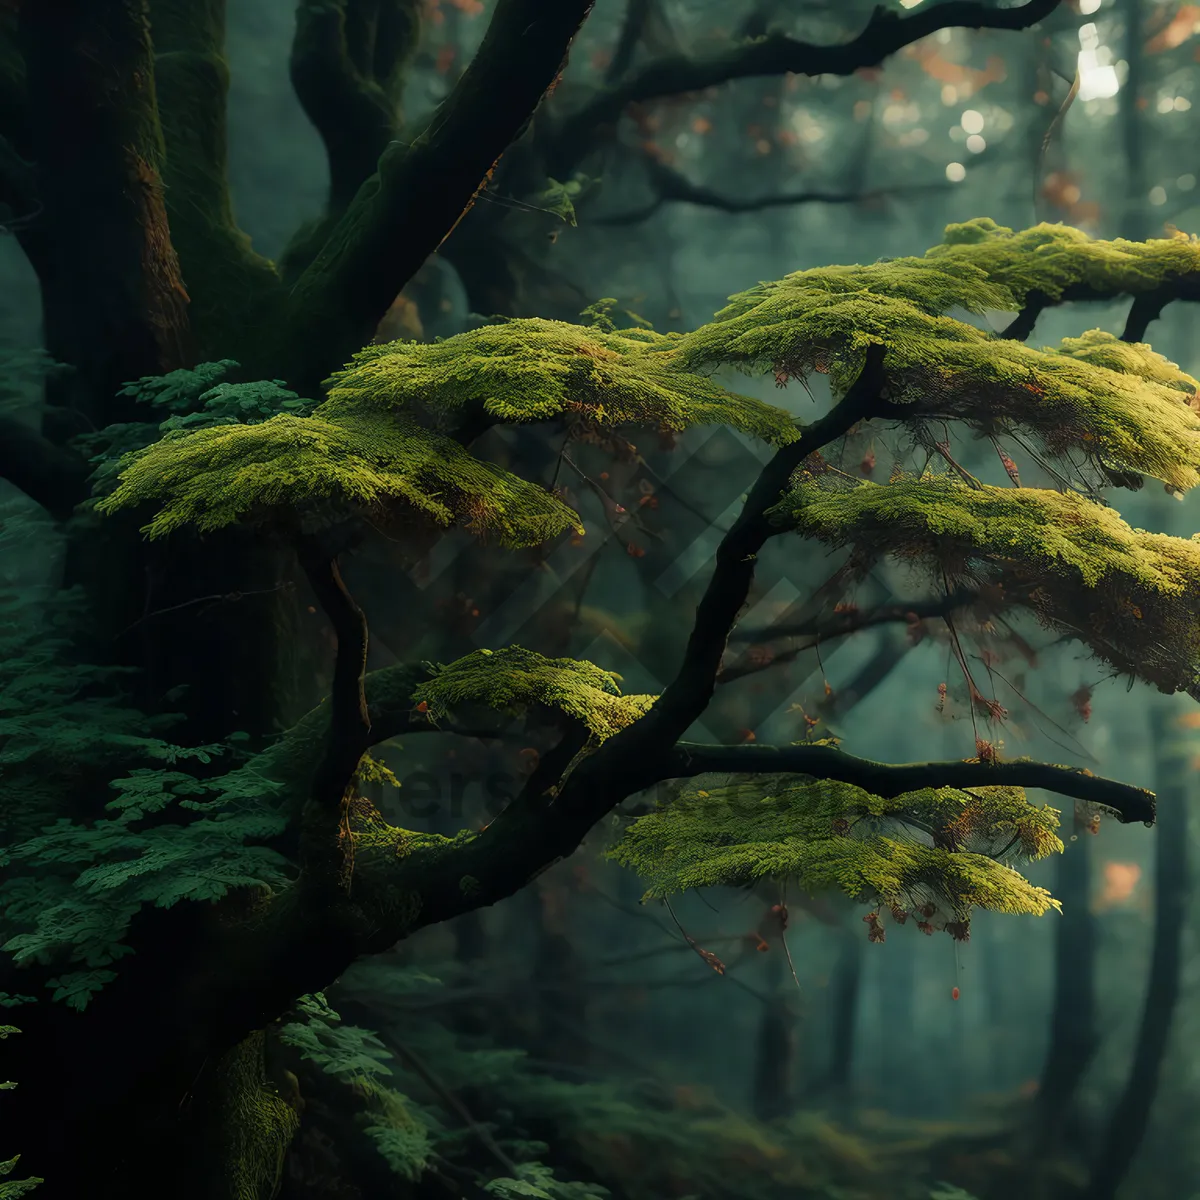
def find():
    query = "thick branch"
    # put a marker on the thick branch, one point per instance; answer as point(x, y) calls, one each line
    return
point(232, 289)
point(689, 693)
point(420, 192)
point(1147, 306)
point(776, 54)
point(346, 68)
point(46, 473)
point(1129, 803)
point(672, 187)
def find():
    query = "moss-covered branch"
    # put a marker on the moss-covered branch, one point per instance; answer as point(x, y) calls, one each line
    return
point(776, 54)
point(229, 284)
point(1129, 803)
point(421, 190)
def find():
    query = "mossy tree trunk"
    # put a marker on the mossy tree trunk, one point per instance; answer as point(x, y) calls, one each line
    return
point(115, 126)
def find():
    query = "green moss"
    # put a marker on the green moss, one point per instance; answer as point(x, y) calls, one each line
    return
point(257, 1125)
point(1130, 406)
point(1052, 258)
point(512, 679)
point(925, 847)
point(537, 370)
point(1132, 596)
point(318, 471)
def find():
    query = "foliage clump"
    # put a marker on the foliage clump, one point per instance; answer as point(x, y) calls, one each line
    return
point(1127, 409)
point(930, 852)
point(315, 470)
point(1052, 259)
point(1131, 596)
point(513, 679)
point(539, 370)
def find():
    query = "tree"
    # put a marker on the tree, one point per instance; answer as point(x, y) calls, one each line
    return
point(224, 896)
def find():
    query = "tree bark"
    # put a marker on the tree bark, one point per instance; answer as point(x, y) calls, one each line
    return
point(1130, 1117)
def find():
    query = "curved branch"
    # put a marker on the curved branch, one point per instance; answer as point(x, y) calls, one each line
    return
point(777, 54)
point(672, 187)
point(839, 624)
point(1129, 803)
point(689, 693)
point(1147, 306)
point(422, 190)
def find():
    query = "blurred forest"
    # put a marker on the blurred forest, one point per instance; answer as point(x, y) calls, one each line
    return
point(702, 1050)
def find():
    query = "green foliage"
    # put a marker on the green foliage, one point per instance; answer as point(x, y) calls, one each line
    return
point(1132, 597)
point(194, 398)
point(356, 1056)
point(1051, 259)
point(537, 370)
point(72, 884)
point(930, 852)
point(312, 471)
point(538, 1182)
point(512, 679)
point(85, 881)
point(240, 404)
point(559, 198)
point(639, 1141)
point(1124, 407)
point(13, 1189)
point(181, 391)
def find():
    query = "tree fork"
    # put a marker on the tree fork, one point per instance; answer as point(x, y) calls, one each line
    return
point(233, 290)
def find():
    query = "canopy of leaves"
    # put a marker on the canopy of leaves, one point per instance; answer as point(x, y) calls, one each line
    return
point(320, 470)
point(930, 847)
point(512, 679)
point(1132, 596)
point(539, 370)
point(1094, 396)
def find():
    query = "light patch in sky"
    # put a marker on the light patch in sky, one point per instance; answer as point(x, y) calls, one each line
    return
point(1097, 76)
point(956, 172)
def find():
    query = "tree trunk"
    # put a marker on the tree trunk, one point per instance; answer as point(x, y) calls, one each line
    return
point(1127, 1124)
point(1073, 1033)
